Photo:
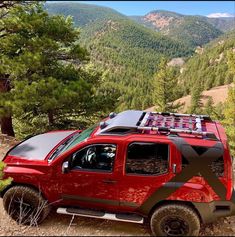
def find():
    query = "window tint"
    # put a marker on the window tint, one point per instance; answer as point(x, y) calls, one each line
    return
point(96, 157)
point(217, 167)
point(147, 158)
point(81, 137)
point(185, 162)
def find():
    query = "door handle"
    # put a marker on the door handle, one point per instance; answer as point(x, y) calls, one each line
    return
point(109, 181)
point(174, 168)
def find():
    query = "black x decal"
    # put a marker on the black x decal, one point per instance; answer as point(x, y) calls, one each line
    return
point(197, 164)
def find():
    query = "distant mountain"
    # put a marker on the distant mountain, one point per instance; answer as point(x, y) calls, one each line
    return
point(83, 14)
point(224, 24)
point(192, 30)
point(129, 52)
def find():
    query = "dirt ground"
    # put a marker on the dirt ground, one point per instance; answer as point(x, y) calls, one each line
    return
point(63, 225)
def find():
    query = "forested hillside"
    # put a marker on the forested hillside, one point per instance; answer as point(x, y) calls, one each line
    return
point(127, 51)
point(222, 23)
point(209, 67)
point(83, 14)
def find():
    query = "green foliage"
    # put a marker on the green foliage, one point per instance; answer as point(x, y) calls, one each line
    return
point(196, 104)
point(127, 51)
point(164, 84)
point(3, 182)
point(229, 120)
point(48, 72)
point(194, 31)
point(209, 106)
point(83, 14)
point(229, 108)
point(224, 24)
point(210, 68)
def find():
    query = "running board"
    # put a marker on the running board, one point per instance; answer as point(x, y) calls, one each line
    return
point(101, 215)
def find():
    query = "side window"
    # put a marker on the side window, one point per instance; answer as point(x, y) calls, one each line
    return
point(185, 162)
point(95, 157)
point(217, 166)
point(147, 158)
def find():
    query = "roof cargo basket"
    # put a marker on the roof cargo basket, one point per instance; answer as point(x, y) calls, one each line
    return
point(175, 123)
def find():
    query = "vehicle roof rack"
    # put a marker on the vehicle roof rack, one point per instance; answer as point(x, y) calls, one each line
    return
point(175, 123)
point(136, 121)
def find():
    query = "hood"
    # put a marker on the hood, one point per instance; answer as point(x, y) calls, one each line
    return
point(39, 146)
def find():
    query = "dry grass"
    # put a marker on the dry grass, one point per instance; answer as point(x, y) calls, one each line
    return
point(218, 94)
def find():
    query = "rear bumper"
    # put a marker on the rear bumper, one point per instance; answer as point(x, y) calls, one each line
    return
point(209, 212)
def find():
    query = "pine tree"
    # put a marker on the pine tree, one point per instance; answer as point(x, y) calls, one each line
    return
point(3, 182)
point(229, 120)
point(196, 105)
point(209, 107)
point(6, 7)
point(165, 82)
point(48, 76)
point(229, 108)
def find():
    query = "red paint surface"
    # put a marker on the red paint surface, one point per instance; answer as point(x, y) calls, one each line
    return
point(49, 178)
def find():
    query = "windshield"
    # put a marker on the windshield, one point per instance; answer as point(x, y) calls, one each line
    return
point(72, 141)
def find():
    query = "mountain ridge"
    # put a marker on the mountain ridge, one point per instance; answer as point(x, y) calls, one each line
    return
point(130, 53)
point(194, 30)
point(127, 51)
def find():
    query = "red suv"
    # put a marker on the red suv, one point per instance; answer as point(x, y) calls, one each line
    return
point(174, 170)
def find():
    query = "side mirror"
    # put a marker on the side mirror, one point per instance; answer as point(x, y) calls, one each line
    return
point(65, 167)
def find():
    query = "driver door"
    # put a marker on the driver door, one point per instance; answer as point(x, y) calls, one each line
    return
point(92, 179)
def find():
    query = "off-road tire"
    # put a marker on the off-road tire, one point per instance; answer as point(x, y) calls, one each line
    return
point(25, 205)
point(173, 215)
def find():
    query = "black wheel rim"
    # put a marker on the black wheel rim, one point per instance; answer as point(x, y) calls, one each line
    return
point(174, 226)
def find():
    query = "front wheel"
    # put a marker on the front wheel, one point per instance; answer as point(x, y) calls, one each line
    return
point(25, 205)
point(175, 220)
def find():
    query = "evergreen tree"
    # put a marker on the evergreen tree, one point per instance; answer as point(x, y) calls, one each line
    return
point(229, 120)
point(209, 107)
point(48, 76)
point(196, 105)
point(229, 107)
point(3, 182)
point(6, 7)
point(231, 62)
point(165, 92)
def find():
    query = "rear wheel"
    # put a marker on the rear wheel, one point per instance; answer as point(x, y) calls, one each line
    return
point(25, 205)
point(175, 220)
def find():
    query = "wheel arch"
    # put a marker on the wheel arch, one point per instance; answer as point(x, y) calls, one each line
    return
point(13, 184)
point(165, 202)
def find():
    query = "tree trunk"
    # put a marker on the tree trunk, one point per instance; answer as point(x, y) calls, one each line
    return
point(6, 120)
point(6, 126)
point(51, 118)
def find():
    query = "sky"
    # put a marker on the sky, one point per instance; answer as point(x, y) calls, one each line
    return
point(205, 8)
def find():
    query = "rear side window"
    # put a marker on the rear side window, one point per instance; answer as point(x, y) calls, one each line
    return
point(217, 166)
point(147, 158)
